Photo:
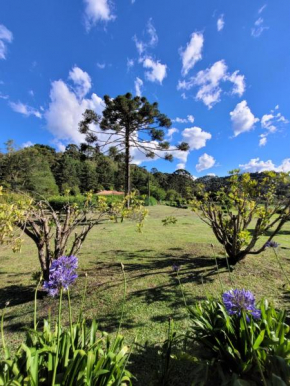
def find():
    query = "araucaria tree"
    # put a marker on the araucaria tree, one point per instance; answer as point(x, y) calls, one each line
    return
point(130, 122)
point(244, 211)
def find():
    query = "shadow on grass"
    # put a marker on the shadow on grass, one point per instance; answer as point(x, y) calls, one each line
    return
point(147, 365)
point(16, 294)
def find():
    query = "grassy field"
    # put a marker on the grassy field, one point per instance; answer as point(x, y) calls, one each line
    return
point(153, 294)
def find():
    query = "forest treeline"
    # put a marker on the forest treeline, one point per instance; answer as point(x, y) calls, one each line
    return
point(41, 170)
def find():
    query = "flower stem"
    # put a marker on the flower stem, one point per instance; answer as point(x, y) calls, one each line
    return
point(254, 351)
point(83, 298)
point(124, 298)
point(35, 303)
point(58, 338)
point(181, 288)
point(6, 353)
point(70, 321)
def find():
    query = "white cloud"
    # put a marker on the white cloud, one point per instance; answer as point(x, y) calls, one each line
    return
point(152, 33)
point(66, 108)
point(263, 140)
point(255, 165)
point(209, 83)
point(271, 122)
point(262, 8)
point(81, 80)
point(192, 52)
point(27, 144)
point(158, 70)
point(139, 45)
point(180, 166)
point(170, 133)
point(26, 110)
point(220, 23)
point(238, 82)
point(101, 66)
point(3, 96)
point(211, 175)
point(97, 10)
point(189, 118)
point(258, 28)
point(130, 63)
point(205, 162)
point(153, 39)
point(138, 85)
point(6, 36)
point(195, 137)
point(242, 118)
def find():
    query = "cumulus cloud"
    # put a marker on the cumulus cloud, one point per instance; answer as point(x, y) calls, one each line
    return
point(209, 83)
point(195, 137)
point(24, 109)
point(82, 81)
point(158, 71)
point(205, 162)
point(255, 165)
point(271, 123)
point(170, 132)
point(192, 53)
point(189, 118)
point(138, 85)
point(242, 118)
point(67, 104)
point(27, 144)
point(263, 140)
point(220, 23)
point(97, 10)
point(258, 28)
point(6, 36)
point(180, 166)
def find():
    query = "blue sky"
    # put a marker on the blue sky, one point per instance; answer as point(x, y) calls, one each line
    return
point(219, 69)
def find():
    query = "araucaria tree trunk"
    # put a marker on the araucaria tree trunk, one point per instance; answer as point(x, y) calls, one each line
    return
point(127, 165)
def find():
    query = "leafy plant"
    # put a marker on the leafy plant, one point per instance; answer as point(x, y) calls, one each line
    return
point(238, 349)
point(243, 204)
point(80, 355)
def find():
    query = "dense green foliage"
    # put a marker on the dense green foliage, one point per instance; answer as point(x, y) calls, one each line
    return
point(234, 208)
point(130, 122)
point(228, 350)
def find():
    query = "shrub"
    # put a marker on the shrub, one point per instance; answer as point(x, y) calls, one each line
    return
point(150, 201)
point(238, 349)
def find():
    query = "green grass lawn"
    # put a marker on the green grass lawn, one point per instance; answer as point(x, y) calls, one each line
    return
point(153, 294)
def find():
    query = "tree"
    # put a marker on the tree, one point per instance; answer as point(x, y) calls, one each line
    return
point(245, 204)
point(57, 234)
point(130, 122)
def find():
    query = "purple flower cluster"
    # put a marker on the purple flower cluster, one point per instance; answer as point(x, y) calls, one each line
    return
point(236, 301)
point(62, 274)
point(271, 244)
point(175, 267)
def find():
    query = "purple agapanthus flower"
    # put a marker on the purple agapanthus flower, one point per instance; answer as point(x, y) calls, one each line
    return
point(175, 267)
point(62, 274)
point(236, 301)
point(271, 244)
